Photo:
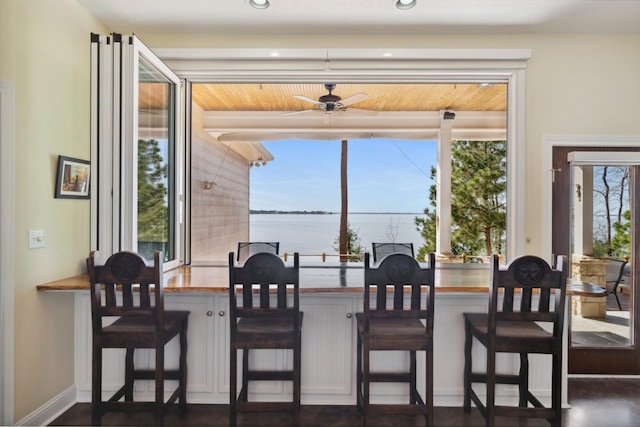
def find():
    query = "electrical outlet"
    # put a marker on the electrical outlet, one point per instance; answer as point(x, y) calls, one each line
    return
point(36, 239)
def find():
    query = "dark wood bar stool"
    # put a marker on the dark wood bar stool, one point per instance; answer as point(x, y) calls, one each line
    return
point(388, 325)
point(512, 327)
point(133, 295)
point(264, 314)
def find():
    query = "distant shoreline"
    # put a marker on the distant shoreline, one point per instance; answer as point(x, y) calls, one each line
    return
point(276, 212)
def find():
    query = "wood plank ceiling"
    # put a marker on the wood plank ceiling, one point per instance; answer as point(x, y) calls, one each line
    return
point(382, 97)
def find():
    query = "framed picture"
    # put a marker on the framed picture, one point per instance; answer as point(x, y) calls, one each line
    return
point(73, 178)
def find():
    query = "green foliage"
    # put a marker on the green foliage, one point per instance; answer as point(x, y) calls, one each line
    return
point(478, 200)
point(621, 241)
point(153, 211)
point(353, 243)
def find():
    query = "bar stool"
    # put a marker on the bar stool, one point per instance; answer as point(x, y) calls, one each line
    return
point(141, 324)
point(263, 319)
point(507, 328)
point(389, 326)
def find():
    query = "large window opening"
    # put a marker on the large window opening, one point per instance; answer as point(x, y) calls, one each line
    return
point(292, 154)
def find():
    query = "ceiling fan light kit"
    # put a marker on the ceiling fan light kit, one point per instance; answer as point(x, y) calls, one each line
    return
point(405, 4)
point(330, 102)
point(259, 4)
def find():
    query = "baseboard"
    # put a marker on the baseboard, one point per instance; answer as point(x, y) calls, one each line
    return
point(51, 410)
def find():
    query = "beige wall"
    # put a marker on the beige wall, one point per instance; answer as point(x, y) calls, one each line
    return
point(45, 54)
point(575, 85)
point(220, 215)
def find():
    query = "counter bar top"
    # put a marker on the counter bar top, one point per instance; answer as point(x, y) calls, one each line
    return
point(318, 279)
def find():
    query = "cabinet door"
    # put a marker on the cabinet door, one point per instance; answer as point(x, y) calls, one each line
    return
point(221, 349)
point(200, 345)
point(328, 353)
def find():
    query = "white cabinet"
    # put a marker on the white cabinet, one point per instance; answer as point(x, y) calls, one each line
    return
point(328, 352)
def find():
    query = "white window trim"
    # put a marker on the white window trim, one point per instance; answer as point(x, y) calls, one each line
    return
point(369, 65)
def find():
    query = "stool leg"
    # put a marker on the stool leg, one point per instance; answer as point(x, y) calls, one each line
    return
point(359, 402)
point(429, 382)
point(297, 362)
point(556, 390)
point(160, 385)
point(244, 391)
point(183, 368)
point(128, 375)
point(491, 388)
point(523, 381)
point(366, 384)
point(233, 378)
point(96, 387)
point(468, 341)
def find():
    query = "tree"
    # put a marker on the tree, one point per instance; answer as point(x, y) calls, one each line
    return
point(621, 241)
point(352, 245)
point(478, 200)
point(343, 238)
point(153, 211)
point(611, 197)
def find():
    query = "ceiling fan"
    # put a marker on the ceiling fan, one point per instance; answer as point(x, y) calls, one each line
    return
point(331, 103)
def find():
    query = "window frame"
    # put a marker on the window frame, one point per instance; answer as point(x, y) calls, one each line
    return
point(115, 77)
point(396, 66)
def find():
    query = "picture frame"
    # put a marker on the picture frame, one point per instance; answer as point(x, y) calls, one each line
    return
point(72, 181)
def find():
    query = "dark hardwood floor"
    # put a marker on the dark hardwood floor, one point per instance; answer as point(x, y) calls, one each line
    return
point(595, 402)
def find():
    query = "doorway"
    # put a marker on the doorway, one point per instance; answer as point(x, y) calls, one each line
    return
point(594, 210)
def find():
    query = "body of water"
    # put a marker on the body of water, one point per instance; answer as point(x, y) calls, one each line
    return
point(313, 234)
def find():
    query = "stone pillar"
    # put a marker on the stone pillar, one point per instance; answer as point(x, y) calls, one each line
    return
point(591, 270)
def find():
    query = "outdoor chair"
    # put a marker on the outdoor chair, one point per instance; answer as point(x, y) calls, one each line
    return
point(381, 250)
point(246, 249)
point(614, 272)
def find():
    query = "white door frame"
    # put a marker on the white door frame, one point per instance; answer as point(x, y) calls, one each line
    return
point(7, 256)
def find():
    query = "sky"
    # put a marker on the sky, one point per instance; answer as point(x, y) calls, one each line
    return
point(384, 175)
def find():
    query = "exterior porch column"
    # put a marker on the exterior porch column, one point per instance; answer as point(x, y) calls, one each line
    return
point(443, 185)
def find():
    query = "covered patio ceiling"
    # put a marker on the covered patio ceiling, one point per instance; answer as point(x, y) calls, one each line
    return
point(260, 112)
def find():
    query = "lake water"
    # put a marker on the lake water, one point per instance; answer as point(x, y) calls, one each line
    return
point(316, 234)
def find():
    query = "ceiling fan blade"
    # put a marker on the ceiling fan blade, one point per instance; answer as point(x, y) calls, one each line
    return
point(307, 99)
point(358, 112)
point(291, 113)
point(354, 98)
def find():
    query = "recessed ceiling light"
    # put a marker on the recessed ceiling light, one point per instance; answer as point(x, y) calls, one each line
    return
point(387, 54)
point(274, 54)
point(259, 4)
point(485, 85)
point(405, 4)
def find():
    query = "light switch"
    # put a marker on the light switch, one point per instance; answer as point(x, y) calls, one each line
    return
point(36, 239)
